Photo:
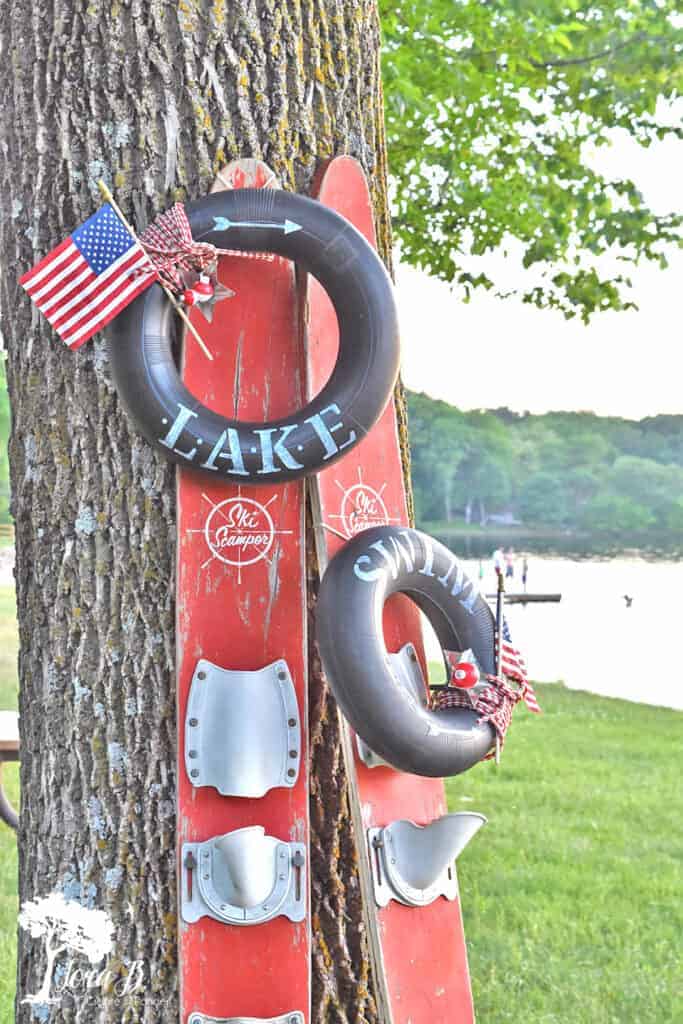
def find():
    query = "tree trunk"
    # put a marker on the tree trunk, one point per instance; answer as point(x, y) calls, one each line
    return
point(154, 96)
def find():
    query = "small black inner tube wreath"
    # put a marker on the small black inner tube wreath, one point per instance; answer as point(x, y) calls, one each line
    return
point(403, 731)
point(185, 430)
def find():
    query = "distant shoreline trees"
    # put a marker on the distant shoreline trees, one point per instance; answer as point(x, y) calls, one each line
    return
point(561, 469)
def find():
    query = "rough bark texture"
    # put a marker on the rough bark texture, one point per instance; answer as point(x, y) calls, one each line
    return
point(154, 96)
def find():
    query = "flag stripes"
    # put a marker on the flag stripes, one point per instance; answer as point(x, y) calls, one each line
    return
point(513, 666)
point(83, 303)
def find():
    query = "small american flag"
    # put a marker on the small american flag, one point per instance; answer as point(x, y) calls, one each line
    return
point(513, 666)
point(82, 284)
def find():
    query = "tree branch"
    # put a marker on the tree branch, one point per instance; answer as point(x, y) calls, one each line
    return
point(562, 62)
point(590, 58)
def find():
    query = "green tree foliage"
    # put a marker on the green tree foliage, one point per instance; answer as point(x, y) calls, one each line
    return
point(440, 433)
point(483, 478)
point(618, 512)
point(544, 499)
point(574, 470)
point(491, 108)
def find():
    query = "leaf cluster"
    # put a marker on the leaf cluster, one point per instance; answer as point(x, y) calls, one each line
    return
point(492, 109)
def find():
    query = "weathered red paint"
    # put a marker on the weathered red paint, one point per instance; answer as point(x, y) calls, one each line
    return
point(244, 618)
point(423, 952)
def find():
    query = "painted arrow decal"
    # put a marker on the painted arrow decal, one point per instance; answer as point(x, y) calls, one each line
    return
point(222, 224)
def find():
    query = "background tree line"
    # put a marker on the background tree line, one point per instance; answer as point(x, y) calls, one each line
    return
point(561, 469)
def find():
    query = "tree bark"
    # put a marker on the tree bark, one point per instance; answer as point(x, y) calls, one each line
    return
point(154, 96)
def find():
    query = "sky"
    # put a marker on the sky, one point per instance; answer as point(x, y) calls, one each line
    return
point(494, 352)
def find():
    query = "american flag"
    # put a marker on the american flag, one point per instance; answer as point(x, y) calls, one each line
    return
point(513, 665)
point(82, 284)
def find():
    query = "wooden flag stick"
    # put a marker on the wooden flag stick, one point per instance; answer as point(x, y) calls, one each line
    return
point(176, 305)
point(500, 601)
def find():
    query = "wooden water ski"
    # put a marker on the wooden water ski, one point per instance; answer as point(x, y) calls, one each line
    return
point(241, 608)
point(419, 955)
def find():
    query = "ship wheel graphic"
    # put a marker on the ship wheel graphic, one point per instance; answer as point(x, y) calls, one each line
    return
point(239, 531)
point(362, 507)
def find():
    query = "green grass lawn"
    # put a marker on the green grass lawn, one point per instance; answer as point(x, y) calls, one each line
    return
point(572, 892)
point(8, 902)
point(8, 847)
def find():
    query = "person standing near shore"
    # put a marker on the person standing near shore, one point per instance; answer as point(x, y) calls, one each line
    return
point(525, 571)
point(509, 564)
point(498, 561)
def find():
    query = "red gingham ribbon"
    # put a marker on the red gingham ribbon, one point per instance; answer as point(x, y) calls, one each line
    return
point(495, 704)
point(171, 248)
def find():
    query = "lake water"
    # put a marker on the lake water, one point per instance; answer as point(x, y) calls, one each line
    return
point(592, 640)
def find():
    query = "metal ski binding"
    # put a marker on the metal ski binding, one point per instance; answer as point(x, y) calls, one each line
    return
point(405, 667)
point(242, 730)
point(243, 877)
point(295, 1017)
point(415, 865)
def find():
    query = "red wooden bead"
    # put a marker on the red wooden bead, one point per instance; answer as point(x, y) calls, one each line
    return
point(203, 288)
point(465, 675)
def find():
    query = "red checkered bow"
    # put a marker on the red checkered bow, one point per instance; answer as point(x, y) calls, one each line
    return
point(171, 248)
point(494, 704)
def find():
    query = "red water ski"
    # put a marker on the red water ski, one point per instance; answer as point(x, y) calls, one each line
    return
point(419, 953)
point(241, 609)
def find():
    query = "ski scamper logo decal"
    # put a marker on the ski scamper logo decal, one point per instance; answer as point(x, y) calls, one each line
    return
point(239, 531)
point(362, 507)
